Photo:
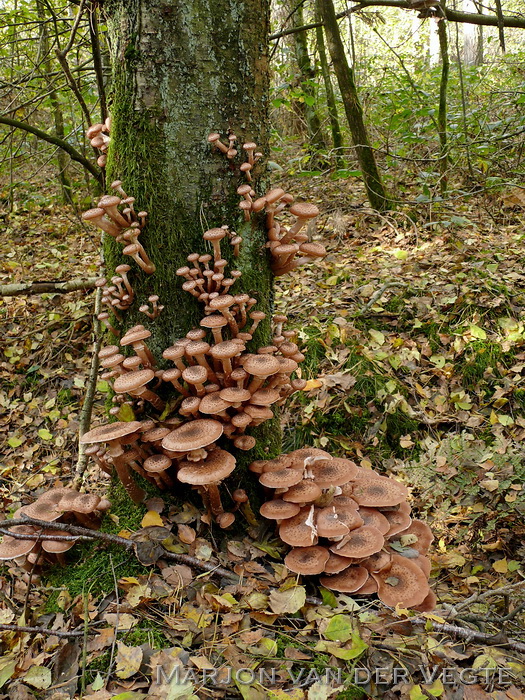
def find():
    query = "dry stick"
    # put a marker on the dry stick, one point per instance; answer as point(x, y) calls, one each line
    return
point(89, 398)
point(40, 630)
point(470, 635)
point(477, 597)
point(27, 288)
point(377, 295)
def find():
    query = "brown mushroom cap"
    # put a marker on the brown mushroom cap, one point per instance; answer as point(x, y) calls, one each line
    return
point(329, 524)
point(56, 546)
point(157, 463)
point(399, 520)
point(135, 335)
point(305, 491)
point(234, 394)
point(336, 564)
point(428, 604)
point(361, 542)
point(131, 381)
point(217, 466)
point(297, 532)
point(11, 547)
point(213, 403)
point(193, 435)
point(348, 581)
point(307, 560)
point(304, 210)
point(265, 397)
point(332, 472)
point(422, 532)
point(378, 491)
point(309, 452)
point(349, 517)
point(112, 431)
point(280, 479)
point(279, 509)
point(377, 562)
point(403, 582)
point(368, 588)
point(262, 365)
point(373, 517)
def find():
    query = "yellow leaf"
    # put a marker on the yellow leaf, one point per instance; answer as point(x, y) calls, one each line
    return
point(128, 660)
point(152, 518)
point(501, 566)
point(313, 384)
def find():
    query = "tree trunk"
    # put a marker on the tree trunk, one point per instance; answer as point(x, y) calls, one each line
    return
point(354, 112)
point(442, 112)
point(337, 137)
point(58, 118)
point(472, 38)
point(307, 74)
point(180, 72)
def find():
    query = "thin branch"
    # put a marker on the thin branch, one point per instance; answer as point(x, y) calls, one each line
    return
point(27, 288)
point(451, 16)
point(89, 397)
point(377, 295)
point(40, 630)
point(64, 145)
point(499, 639)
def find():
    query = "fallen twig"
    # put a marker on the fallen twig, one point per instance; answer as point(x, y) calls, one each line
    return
point(377, 295)
point(52, 287)
point(477, 597)
point(499, 639)
point(40, 630)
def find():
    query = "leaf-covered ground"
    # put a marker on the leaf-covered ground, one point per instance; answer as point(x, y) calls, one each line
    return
point(414, 335)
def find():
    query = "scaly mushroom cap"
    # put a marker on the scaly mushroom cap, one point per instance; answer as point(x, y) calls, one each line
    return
point(403, 582)
point(226, 349)
point(280, 479)
point(135, 335)
point(155, 434)
point(362, 542)
point(157, 464)
point(57, 546)
point(265, 397)
point(12, 548)
point(368, 588)
point(131, 381)
point(399, 520)
point(279, 510)
point(83, 503)
point(329, 524)
point(377, 562)
point(373, 517)
point(348, 581)
point(333, 472)
point(274, 195)
point(193, 435)
point(213, 403)
point(245, 442)
point(214, 321)
point(214, 234)
point(307, 560)
point(424, 564)
point(112, 431)
point(305, 491)
point(428, 604)
point(336, 564)
point(234, 394)
point(309, 452)
point(195, 374)
point(350, 517)
point(422, 536)
point(299, 531)
point(217, 466)
point(304, 210)
point(378, 492)
point(313, 250)
point(262, 365)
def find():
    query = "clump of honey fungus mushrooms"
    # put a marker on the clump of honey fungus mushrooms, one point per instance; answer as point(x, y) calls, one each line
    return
point(222, 389)
point(349, 525)
point(289, 247)
point(58, 505)
point(98, 135)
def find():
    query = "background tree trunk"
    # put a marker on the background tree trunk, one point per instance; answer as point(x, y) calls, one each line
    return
point(354, 112)
point(472, 38)
point(307, 76)
point(181, 72)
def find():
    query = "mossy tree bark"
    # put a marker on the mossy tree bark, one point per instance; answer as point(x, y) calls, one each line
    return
point(375, 190)
point(180, 72)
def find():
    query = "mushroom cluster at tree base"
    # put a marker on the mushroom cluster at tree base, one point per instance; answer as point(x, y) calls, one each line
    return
point(352, 526)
